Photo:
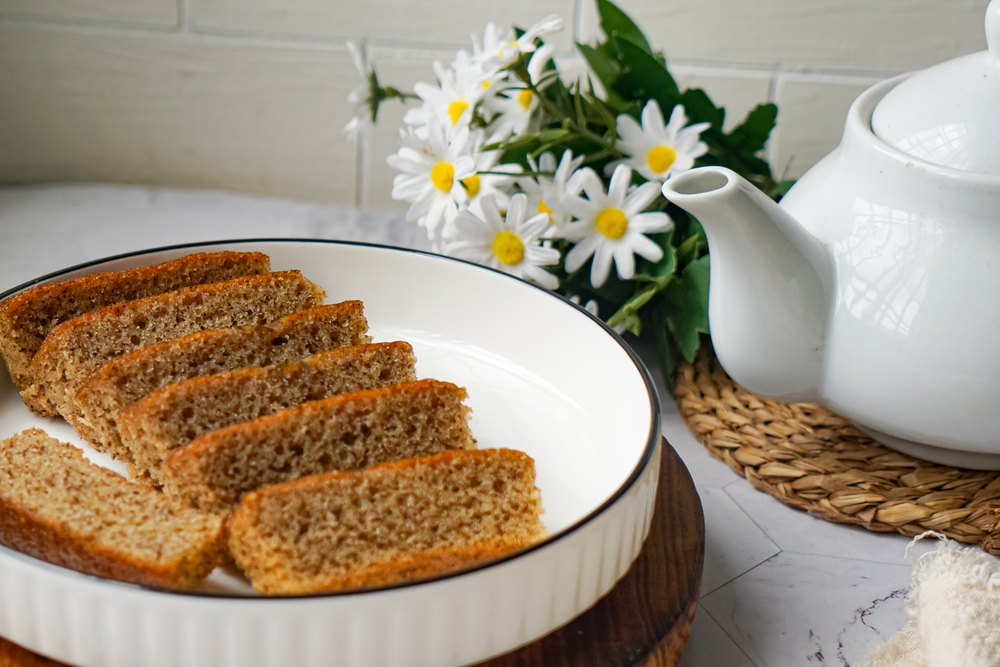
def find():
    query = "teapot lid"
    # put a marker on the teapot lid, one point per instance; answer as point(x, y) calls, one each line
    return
point(949, 114)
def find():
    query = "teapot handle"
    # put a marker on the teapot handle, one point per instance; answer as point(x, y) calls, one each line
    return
point(993, 29)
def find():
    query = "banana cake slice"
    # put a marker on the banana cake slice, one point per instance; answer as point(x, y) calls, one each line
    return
point(388, 523)
point(179, 413)
point(339, 433)
point(58, 506)
point(126, 379)
point(78, 348)
point(27, 318)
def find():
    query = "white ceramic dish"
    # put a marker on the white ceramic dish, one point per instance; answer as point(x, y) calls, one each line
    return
point(543, 376)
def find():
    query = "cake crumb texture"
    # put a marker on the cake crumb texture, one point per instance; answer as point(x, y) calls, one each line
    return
point(339, 433)
point(126, 379)
point(78, 348)
point(184, 411)
point(58, 506)
point(388, 523)
point(28, 317)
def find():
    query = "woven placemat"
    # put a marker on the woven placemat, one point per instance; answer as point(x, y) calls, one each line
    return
point(811, 458)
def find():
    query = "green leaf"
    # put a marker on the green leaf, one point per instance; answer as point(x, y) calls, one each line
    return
point(604, 68)
point(616, 23)
point(752, 133)
point(687, 306)
point(666, 347)
point(659, 271)
point(700, 109)
point(642, 77)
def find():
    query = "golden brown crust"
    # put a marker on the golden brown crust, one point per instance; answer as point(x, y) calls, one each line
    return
point(45, 533)
point(183, 411)
point(342, 432)
point(78, 348)
point(28, 317)
point(126, 379)
point(426, 563)
point(387, 523)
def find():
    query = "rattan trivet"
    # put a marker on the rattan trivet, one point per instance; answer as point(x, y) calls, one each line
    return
point(810, 458)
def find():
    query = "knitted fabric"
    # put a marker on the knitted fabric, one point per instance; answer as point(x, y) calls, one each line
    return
point(954, 610)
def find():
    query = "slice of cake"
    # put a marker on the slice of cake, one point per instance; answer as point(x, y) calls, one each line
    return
point(388, 523)
point(58, 506)
point(339, 433)
point(126, 379)
point(27, 318)
point(78, 348)
point(181, 412)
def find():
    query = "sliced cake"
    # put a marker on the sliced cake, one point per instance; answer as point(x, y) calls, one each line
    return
point(126, 379)
point(27, 318)
point(179, 413)
point(388, 523)
point(339, 433)
point(78, 348)
point(58, 506)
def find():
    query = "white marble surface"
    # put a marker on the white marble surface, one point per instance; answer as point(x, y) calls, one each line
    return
point(780, 589)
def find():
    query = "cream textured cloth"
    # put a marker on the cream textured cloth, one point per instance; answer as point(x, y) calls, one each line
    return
point(954, 610)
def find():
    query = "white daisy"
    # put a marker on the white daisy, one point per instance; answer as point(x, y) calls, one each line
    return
point(510, 244)
point(546, 193)
point(515, 107)
point(480, 185)
point(453, 101)
point(433, 168)
point(656, 150)
point(501, 47)
point(612, 226)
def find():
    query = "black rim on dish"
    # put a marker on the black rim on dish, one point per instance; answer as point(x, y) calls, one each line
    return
point(652, 438)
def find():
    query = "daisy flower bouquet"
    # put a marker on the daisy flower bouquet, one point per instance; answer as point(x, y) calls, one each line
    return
point(508, 164)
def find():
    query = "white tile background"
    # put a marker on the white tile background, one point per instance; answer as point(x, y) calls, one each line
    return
point(249, 95)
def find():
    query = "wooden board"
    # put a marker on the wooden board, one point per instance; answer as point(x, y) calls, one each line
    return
point(643, 622)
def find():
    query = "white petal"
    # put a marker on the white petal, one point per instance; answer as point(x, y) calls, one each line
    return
point(624, 261)
point(601, 266)
point(579, 253)
point(649, 223)
point(539, 60)
point(516, 210)
point(534, 227)
point(640, 198)
point(541, 256)
point(620, 180)
point(579, 208)
point(628, 128)
point(592, 186)
point(540, 276)
point(652, 117)
point(645, 247)
point(491, 214)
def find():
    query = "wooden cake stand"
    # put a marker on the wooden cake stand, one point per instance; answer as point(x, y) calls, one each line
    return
point(643, 622)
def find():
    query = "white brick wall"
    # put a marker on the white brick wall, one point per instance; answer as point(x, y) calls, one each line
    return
point(249, 95)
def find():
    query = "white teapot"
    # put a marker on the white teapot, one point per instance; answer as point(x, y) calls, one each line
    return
point(874, 286)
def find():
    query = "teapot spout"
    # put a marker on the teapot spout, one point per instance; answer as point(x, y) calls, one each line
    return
point(770, 290)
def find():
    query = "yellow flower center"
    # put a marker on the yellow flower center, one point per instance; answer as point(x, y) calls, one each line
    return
point(485, 85)
point(544, 208)
point(660, 158)
point(524, 99)
point(456, 109)
point(612, 223)
point(443, 176)
point(508, 247)
point(471, 185)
